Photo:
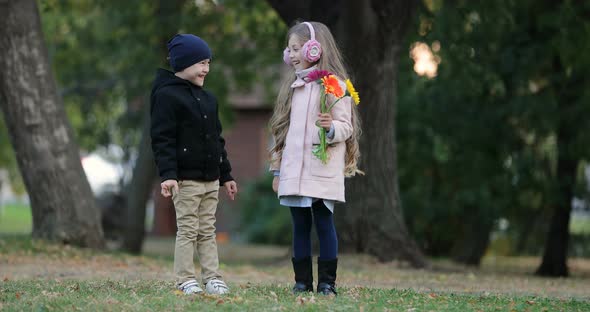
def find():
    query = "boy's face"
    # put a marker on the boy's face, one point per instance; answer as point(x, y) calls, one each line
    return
point(196, 73)
point(295, 55)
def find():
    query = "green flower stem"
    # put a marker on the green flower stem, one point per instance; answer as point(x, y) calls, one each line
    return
point(321, 153)
point(330, 107)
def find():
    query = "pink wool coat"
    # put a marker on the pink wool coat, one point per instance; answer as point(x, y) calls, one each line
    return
point(301, 173)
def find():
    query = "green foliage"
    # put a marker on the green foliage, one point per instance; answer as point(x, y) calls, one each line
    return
point(478, 141)
point(263, 219)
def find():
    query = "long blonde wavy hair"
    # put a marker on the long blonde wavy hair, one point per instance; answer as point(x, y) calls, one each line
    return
point(331, 60)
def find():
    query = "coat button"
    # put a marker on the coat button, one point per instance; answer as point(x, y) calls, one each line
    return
point(198, 99)
point(205, 116)
point(184, 149)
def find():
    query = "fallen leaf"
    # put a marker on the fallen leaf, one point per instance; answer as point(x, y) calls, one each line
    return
point(178, 292)
point(432, 296)
point(74, 287)
point(5, 279)
point(209, 296)
point(219, 301)
point(530, 302)
point(17, 295)
point(300, 300)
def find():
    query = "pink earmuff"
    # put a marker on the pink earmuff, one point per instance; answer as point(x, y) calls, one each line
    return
point(311, 50)
point(286, 58)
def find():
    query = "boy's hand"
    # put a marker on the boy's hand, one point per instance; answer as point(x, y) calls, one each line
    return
point(325, 121)
point(168, 186)
point(232, 189)
point(275, 184)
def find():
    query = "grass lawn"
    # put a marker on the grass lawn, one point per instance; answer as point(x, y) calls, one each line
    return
point(38, 276)
point(157, 296)
point(15, 219)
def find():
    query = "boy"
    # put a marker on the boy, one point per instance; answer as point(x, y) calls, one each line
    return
point(191, 158)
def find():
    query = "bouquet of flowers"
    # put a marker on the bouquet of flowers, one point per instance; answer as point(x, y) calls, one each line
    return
point(331, 86)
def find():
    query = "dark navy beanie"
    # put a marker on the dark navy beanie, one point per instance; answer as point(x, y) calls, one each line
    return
point(185, 50)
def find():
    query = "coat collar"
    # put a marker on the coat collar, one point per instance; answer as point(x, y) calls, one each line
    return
point(301, 75)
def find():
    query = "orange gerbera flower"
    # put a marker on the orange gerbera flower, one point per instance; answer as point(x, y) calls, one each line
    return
point(331, 86)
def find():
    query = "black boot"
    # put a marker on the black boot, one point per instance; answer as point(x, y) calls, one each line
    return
point(327, 276)
point(303, 275)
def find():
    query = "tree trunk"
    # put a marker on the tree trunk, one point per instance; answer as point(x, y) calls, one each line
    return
point(62, 202)
point(470, 248)
point(371, 34)
point(138, 191)
point(554, 261)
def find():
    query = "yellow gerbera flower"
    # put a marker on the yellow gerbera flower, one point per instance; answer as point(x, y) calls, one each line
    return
point(352, 92)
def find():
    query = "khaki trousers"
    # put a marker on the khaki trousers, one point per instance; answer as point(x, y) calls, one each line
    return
point(195, 205)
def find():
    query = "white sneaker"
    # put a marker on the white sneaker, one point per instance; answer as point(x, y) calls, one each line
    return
point(216, 287)
point(190, 287)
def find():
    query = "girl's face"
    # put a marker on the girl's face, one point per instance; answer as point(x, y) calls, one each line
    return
point(196, 73)
point(295, 55)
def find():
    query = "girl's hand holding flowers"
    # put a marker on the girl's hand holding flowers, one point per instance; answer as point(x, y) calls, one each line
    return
point(324, 121)
point(332, 87)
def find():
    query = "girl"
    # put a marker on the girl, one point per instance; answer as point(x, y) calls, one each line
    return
point(303, 182)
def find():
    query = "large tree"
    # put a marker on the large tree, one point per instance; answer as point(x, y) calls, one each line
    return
point(63, 207)
point(371, 34)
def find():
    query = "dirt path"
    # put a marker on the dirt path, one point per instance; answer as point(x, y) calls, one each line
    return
point(271, 265)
